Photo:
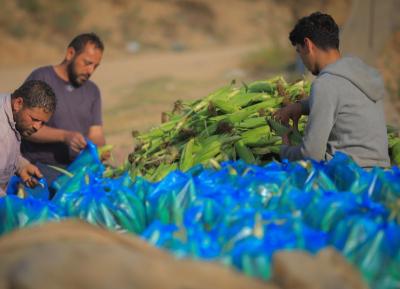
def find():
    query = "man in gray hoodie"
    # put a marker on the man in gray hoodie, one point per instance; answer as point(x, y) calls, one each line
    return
point(345, 106)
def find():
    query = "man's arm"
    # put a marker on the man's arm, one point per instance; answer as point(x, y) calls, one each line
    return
point(323, 109)
point(47, 134)
point(96, 135)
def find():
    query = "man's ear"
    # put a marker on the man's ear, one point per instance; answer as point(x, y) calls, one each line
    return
point(308, 45)
point(17, 104)
point(70, 53)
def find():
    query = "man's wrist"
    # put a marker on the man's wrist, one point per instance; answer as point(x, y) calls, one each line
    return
point(65, 136)
point(304, 106)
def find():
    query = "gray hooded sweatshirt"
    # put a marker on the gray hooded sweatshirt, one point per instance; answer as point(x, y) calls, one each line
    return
point(345, 114)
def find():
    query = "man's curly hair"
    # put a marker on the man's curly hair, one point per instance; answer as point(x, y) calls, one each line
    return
point(320, 28)
point(36, 93)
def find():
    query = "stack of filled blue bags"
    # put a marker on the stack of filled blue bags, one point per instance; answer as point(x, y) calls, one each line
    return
point(238, 214)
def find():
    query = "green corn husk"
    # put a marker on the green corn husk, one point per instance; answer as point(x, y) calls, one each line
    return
point(229, 123)
point(251, 123)
point(257, 136)
point(279, 129)
point(187, 160)
point(244, 152)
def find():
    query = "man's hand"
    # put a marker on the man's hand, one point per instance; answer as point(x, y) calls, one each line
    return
point(75, 140)
point(292, 111)
point(30, 174)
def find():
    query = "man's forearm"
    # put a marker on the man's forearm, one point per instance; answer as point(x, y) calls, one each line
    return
point(22, 162)
point(98, 140)
point(96, 135)
point(48, 134)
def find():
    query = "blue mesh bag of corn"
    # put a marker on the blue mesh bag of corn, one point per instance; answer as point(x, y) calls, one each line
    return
point(224, 193)
point(346, 174)
point(385, 188)
point(18, 213)
point(251, 257)
point(201, 244)
point(88, 161)
point(391, 278)
point(205, 214)
point(326, 210)
point(130, 206)
point(351, 232)
point(280, 186)
point(375, 256)
point(252, 238)
point(296, 173)
point(165, 236)
point(191, 242)
point(318, 181)
point(105, 203)
point(202, 223)
point(168, 199)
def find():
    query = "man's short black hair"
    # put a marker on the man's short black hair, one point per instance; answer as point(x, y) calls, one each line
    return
point(79, 42)
point(320, 28)
point(36, 93)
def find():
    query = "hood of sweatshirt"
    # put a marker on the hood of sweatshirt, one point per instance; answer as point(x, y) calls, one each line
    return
point(366, 78)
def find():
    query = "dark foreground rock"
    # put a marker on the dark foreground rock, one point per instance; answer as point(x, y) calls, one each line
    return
point(74, 254)
point(327, 270)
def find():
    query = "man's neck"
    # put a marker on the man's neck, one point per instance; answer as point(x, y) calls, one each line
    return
point(61, 71)
point(328, 57)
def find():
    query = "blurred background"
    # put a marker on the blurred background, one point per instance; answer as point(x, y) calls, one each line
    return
point(159, 51)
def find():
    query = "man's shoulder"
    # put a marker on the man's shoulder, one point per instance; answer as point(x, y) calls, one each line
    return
point(328, 80)
point(3, 96)
point(45, 73)
point(3, 99)
point(326, 87)
point(43, 70)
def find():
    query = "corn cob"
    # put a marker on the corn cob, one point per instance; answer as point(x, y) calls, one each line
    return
point(186, 161)
point(261, 86)
point(246, 112)
point(244, 152)
point(256, 136)
point(251, 123)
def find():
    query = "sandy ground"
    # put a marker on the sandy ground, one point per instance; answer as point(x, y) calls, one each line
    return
point(138, 87)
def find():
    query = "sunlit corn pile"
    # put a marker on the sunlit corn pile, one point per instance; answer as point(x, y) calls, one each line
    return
point(229, 124)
